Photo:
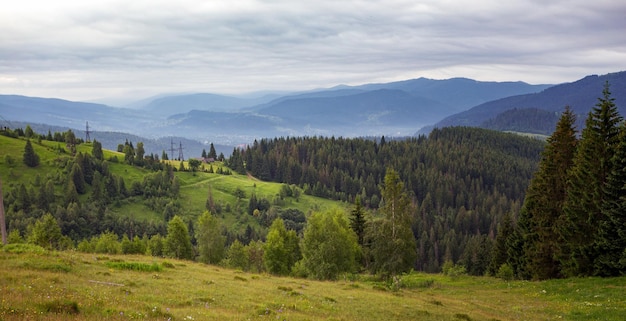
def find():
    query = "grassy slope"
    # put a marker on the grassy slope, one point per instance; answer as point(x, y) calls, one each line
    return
point(193, 193)
point(33, 286)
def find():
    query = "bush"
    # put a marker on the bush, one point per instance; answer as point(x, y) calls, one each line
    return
point(108, 243)
point(134, 266)
point(505, 272)
point(453, 270)
point(19, 248)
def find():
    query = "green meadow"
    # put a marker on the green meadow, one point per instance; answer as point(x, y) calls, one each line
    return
point(41, 285)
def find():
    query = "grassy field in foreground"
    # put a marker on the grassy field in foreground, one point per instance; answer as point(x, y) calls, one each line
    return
point(39, 285)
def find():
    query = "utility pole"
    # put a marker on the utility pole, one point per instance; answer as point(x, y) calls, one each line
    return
point(87, 138)
point(3, 225)
point(172, 149)
point(180, 152)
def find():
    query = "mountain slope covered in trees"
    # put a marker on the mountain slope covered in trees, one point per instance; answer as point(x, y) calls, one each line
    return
point(462, 181)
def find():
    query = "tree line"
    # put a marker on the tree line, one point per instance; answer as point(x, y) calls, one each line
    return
point(328, 246)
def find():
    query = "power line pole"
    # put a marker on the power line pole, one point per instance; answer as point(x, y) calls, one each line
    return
point(87, 138)
point(172, 149)
point(180, 152)
point(3, 226)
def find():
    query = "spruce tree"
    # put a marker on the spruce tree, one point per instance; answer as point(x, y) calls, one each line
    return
point(544, 200)
point(611, 241)
point(357, 221)
point(212, 152)
point(585, 192)
point(500, 251)
point(30, 158)
point(78, 179)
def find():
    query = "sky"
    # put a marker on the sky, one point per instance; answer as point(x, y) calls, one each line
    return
point(131, 49)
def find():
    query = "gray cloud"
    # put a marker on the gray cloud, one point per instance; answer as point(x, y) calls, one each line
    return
point(121, 48)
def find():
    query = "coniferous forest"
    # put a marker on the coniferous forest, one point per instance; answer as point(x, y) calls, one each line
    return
point(461, 198)
point(462, 182)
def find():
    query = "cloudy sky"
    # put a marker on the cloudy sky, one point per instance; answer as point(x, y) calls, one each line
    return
point(88, 50)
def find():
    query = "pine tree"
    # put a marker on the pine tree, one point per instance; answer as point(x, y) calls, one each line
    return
point(585, 192)
point(611, 241)
point(30, 158)
point(78, 179)
point(500, 252)
point(212, 152)
point(357, 221)
point(544, 200)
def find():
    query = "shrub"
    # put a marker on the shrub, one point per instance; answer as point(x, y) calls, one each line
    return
point(134, 266)
point(453, 270)
point(505, 272)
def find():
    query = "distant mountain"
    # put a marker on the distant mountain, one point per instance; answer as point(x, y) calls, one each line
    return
point(580, 95)
point(169, 105)
point(69, 114)
point(391, 109)
point(459, 93)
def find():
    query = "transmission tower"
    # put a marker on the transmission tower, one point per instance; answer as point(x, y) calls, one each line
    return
point(180, 152)
point(172, 149)
point(87, 137)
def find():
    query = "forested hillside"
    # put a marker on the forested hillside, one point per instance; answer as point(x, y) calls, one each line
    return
point(462, 181)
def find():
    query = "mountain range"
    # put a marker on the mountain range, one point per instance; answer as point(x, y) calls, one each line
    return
point(392, 109)
point(517, 112)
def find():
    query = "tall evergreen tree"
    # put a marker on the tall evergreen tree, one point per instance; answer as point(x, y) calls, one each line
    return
point(585, 193)
point(611, 241)
point(30, 158)
point(212, 152)
point(545, 197)
point(78, 178)
point(357, 221)
point(500, 251)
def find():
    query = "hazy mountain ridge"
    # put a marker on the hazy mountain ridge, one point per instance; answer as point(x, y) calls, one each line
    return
point(580, 95)
point(391, 109)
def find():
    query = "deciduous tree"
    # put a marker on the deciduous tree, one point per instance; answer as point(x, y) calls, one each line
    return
point(329, 247)
point(178, 243)
point(393, 247)
point(209, 239)
point(281, 250)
